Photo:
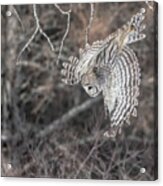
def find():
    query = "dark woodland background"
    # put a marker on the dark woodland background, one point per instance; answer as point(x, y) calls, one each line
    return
point(53, 130)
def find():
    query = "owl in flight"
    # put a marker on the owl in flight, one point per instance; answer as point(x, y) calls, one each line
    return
point(110, 67)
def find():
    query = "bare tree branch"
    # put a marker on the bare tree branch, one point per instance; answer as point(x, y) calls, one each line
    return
point(18, 17)
point(97, 138)
point(38, 28)
point(57, 124)
point(148, 4)
point(68, 14)
point(90, 23)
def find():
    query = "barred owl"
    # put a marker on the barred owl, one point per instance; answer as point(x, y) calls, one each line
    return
point(110, 67)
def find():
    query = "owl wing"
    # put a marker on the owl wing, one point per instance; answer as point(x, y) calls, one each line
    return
point(136, 27)
point(72, 72)
point(122, 88)
point(131, 32)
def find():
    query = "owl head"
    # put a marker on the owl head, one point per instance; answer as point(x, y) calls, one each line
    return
point(91, 84)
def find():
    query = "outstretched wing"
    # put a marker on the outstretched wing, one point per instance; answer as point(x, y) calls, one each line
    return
point(70, 73)
point(136, 27)
point(122, 89)
point(73, 71)
point(131, 32)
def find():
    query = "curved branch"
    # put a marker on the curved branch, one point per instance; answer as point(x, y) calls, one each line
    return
point(37, 29)
point(68, 14)
point(90, 23)
point(18, 17)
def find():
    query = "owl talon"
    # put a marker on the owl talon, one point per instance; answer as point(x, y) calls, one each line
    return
point(64, 81)
point(112, 132)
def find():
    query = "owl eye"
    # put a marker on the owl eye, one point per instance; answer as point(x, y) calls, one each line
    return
point(90, 87)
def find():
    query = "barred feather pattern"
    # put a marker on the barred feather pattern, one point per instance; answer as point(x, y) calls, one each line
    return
point(126, 87)
point(111, 67)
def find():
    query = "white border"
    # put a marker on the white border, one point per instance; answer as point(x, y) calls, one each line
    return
point(63, 1)
point(41, 181)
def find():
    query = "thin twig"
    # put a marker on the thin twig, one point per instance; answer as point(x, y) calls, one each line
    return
point(68, 14)
point(18, 17)
point(88, 156)
point(85, 160)
point(90, 23)
point(148, 4)
point(38, 28)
